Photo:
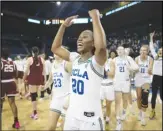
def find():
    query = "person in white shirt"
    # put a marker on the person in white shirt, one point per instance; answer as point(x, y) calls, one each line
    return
point(157, 74)
point(123, 65)
point(60, 77)
point(84, 111)
point(48, 66)
point(143, 81)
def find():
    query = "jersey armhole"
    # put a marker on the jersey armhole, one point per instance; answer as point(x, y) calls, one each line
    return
point(95, 71)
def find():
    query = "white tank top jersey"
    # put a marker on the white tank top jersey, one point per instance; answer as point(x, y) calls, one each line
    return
point(107, 68)
point(61, 79)
point(121, 71)
point(19, 64)
point(143, 68)
point(85, 86)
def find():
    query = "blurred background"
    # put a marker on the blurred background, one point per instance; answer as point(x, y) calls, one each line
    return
point(27, 24)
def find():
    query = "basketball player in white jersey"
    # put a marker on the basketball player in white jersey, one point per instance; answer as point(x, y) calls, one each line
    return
point(19, 64)
point(107, 89)
point(60, 77)
point(143, 81)
point(123, 65)
point(84, 111)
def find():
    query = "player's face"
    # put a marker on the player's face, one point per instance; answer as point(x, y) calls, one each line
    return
point(120, 51)
point(112, 55)
point(85, 42)
point(160, 52)
point(143, 51)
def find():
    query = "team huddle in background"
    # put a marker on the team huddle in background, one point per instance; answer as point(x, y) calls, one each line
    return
point(78, 83)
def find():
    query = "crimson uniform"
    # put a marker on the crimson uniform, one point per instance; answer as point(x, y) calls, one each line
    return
point(8, 73)
point(35, 76)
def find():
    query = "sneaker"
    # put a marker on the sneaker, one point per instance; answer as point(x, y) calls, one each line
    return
point(143, 123)
point(41, 99)
point(152, 114)
point(16, 125)
point(119, 126)
point(35, 117)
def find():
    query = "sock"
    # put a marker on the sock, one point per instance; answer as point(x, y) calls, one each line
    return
point(107, 118)
point(118, 120)
point(35, 112)
point(143, 115)
point(140, 112)
point(42, 94)
point(15, 119)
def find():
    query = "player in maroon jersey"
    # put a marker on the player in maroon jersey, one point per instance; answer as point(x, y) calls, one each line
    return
point(8, 84)
point(35, 70)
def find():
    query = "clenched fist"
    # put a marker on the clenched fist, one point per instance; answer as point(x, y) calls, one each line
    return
point(69, 21)
point(94, 13)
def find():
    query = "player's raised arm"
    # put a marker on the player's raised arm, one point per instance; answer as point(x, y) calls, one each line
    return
point(151, 46)
point(99, 37)
point(57, 43)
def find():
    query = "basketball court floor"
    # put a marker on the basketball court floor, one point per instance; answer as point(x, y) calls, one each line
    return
point(25, 110)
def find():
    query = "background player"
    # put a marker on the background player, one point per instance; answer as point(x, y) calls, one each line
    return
point(143, 81)
point(60, 77)
point(157, 74)
point(123, 65)
point(35, 70)
point(84, 112)
point(8, 84)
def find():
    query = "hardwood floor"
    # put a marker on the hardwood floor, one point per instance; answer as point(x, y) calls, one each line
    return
point(25, 110)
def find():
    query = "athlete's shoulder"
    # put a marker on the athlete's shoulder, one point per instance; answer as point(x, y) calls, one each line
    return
point(74, 56)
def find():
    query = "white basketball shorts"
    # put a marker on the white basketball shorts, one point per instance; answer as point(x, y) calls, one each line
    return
point(107, 91)
point(122, 86)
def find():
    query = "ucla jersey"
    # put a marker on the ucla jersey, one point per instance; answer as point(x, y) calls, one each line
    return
point(143, 68)
point(61, 79)
point(85, 92)
point(121, 71)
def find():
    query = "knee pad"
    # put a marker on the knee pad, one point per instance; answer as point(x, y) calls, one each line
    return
point(33, 96)
point(144, 98)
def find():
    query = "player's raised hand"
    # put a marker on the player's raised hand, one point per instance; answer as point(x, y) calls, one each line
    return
point(94, 13)
point(152, 34)
point(69, 21)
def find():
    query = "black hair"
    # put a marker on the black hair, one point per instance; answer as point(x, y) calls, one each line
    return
point(126, 45)
point(5, 53)
point(35, 51)
point(113, 50)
